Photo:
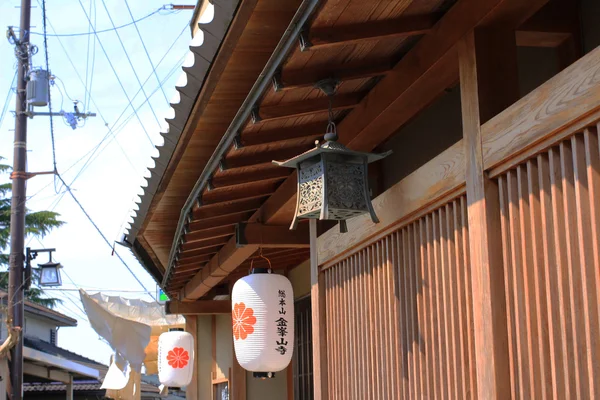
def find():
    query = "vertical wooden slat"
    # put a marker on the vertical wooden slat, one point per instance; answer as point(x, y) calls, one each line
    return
point(573, 261)
point(537, 272)
point(444, 311)
point(409, 299)
point(558, 361)
point(461, 295)
point(561, 268)
point(526, 275)
point(191, 327)
point(508, 282)
point(517, 286)
point(587, 275)
point(424, 310)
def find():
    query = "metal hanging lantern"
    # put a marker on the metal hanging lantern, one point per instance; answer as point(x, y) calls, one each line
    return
point(50, 273)
point(332, 179)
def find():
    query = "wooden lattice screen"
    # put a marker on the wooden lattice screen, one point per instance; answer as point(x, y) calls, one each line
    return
point(399, 310)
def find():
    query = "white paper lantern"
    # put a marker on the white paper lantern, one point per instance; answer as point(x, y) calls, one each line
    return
point(263, 322)
point(175, 358)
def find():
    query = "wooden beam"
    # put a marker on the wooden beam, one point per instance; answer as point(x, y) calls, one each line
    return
point(198, 307)
point(208, 233)
point(553, 25)
point(225, 208)
point(489, 84)
point(46, 373)
point(308, 107)
point(264, 136)
point(192, 262)
point(227, 259)
point(265, 154)
point(191, 327)
point(249, 174)
point(307, 77)
point(200, 252)
point(319, 327)
point(344, 35)
point(239, 192)
point(208, 226)
point(188, 249)
point(272, 236)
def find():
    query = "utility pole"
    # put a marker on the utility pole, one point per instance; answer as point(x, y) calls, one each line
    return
point(17, 212)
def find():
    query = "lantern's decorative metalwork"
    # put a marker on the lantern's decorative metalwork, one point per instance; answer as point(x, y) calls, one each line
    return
point(332, 179)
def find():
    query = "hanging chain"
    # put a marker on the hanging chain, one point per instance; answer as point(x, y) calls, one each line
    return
point(331, 131)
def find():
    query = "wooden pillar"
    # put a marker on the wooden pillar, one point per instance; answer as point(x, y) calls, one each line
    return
point(191, 327)
point(70, 388)
point(319, 328)
point(489, 83)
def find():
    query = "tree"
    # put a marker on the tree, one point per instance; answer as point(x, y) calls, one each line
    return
point(37, 224)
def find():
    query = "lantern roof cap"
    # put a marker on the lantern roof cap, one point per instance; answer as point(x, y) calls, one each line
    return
point(331, 147)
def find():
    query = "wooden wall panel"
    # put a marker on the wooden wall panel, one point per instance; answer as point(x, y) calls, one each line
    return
point(550, 235)
point(400, 314)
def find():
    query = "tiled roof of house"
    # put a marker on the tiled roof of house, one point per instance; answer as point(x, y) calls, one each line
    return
point(49, 348)
point(52, 314)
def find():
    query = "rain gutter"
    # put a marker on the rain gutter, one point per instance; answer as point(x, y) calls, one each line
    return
point(288, 40)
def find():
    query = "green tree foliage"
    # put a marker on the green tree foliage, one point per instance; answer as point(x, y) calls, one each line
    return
point(37, 224)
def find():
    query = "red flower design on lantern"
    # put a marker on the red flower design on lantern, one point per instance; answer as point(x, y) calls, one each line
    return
point(243, 321)
point(178, 357)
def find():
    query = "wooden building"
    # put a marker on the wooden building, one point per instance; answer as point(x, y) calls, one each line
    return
point(482, 278)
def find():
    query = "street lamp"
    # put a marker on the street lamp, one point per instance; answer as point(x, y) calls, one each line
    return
point(49, 271)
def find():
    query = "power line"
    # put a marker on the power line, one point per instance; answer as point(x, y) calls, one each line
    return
point(131, 63)
point(102, 235)
point(146, 50)
point(8, 98)
point(115, 72)
point(114, 28)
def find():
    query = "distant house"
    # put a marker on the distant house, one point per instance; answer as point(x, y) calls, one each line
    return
point(52, 372)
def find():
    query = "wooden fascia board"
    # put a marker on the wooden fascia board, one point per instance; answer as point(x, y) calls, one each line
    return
point(198, 307)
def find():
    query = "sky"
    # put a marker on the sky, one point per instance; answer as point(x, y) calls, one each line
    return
point(105, 159)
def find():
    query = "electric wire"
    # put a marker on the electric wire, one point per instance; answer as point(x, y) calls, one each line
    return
point(8, 98)
point(114, 28)
point(116, 74)
point(104, 237)
point(130, 63)
point(44, 18)
point(145, 49)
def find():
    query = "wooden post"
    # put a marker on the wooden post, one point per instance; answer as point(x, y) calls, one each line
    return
point(319, 329)
point(191, 327)
point(488, 82)
point(70, 388)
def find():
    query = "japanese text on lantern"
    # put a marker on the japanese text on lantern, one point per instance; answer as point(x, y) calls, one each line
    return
point(282, 325)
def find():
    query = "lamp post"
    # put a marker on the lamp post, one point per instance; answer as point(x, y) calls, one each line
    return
point(50, 271)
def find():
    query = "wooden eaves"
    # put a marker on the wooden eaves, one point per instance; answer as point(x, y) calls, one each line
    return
point(374, 102)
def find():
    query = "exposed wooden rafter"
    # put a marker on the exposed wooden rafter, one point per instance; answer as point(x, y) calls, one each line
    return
point(265, 157)
point(253, 173)
point(264, 136)
point(366, 31)
point(302, 78)
point(307, 107)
